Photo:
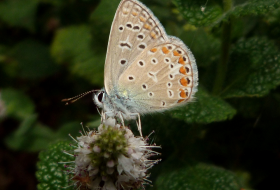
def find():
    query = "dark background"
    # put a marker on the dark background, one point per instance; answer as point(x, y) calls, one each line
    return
point(50, 50)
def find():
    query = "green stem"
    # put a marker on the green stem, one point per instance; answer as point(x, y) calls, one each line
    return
point(222, 64)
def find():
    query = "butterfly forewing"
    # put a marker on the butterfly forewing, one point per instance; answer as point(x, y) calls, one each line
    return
point(134, 30)
point(161, 77)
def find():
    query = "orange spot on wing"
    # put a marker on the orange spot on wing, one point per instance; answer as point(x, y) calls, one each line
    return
point(165, 50)
point(142, 19)
point(181, 60)
point(153, 35)
point(148, 27)
point(153, 50)
point(183, 70)
point(182, 93)
point(125, 12)
point(175, 53)
point(184, 82)
point(134, 13)
point(181, 100)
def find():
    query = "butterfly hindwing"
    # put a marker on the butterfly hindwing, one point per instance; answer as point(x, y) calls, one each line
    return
point(134, 30)
point(161, 77)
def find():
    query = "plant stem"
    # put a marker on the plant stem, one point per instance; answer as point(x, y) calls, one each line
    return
point(221, 69)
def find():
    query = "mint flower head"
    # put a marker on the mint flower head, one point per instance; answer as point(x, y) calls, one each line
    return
point(111, 158)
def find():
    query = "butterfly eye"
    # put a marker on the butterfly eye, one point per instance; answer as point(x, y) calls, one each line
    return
point(100, 96)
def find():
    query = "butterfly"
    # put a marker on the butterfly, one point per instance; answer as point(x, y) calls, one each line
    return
point(146, 70)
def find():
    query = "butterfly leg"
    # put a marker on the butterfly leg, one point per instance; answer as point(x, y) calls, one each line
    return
point(139, 126)
point(102, 114)
point(106, 115)
point(121, 117)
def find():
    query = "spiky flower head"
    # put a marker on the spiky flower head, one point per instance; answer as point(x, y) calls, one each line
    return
point(111, 158)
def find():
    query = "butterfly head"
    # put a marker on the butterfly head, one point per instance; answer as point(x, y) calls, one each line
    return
point(100, 97)
point(103, 101)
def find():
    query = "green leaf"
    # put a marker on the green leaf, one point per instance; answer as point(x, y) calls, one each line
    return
point(198, 177)
point(31, 60)
point(94, 124)
point(3, 50)
point(72, 128)
point(56, 3)
point(51, 174)
point(25, 125)
point(205, 109)
point(101, 21)
point(19, 13)
point(248, 107)
point(193, 12)
point(33, 136)
point(252, 7)
point(105, 11)
point(254, 68)
point(39, 138)
point(73, 45)
point(17, 104)
point(204, 46)
point(30, 136)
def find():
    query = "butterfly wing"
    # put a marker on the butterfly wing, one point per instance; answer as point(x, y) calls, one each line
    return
point(161, 77)
point(134, 30)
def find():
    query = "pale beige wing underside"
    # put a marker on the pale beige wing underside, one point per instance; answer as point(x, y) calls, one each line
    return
point(161, 77)
point(133, 30)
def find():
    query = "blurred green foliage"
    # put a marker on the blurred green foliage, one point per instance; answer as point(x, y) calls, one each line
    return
point(226, 139)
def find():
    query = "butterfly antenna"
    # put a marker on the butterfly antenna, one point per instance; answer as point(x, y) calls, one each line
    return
point(75, 98)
